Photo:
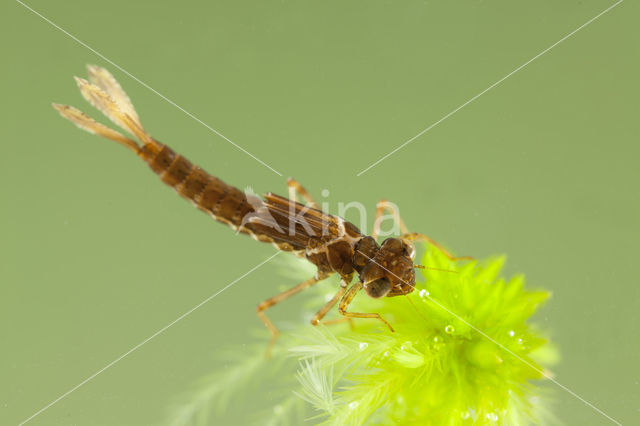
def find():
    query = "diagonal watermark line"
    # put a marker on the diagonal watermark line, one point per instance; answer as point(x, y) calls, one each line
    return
point(77, 40)
point(136, 347)
point(489, 88)
point(563, 387)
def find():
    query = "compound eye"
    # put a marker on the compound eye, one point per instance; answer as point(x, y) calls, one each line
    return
point(409, 250)
point(378, 288)
point(387, 241)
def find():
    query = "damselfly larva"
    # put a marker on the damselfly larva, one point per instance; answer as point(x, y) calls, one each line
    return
point(331, 243)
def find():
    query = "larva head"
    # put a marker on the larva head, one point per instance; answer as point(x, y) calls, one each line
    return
point(390, 271)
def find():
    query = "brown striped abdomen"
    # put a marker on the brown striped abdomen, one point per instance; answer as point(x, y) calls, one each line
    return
point(225, 203)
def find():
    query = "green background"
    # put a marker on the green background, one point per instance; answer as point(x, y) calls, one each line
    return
point(97, 255)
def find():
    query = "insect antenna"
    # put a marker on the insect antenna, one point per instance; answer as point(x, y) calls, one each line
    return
point(434, 269)
point(415, 307)
point(417, 266)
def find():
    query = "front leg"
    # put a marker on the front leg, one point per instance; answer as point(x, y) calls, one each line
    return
point(317, 318)
point(346, 300)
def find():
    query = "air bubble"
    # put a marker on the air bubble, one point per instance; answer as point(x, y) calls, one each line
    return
point(353, 405)
point(385, 354)
point(449, 329)
point(363, 346)
point(277, 410)
point(512, 333)
point(423, 293)
point(325, 193)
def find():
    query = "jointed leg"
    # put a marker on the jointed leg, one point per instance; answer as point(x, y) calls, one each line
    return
point(377, 221)
point(346, 300)
point(340, 320)
point(295, 187)
point(414, 236)
point(327, 307)
point(279, 298)
point(411, 236)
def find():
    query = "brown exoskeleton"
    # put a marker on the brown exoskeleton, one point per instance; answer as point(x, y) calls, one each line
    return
point(332, 244)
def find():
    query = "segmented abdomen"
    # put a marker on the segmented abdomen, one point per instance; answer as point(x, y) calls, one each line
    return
point(225, 203)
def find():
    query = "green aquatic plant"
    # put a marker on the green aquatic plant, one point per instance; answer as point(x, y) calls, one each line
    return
point(463, 352)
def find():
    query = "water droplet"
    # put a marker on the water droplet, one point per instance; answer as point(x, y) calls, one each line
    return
point(353, 404)
point(386, 353)
point(449, 329)
point(423, 293)
point(512, 333)
point(520, 341)
point(492, 417)
point(472, 413)
point(325, 193)
point(363, 346)
point(436, 339)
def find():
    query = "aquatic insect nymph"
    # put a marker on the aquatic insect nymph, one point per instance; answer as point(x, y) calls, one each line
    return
point(331, 243)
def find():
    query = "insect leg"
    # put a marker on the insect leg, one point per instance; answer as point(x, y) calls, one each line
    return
point(295, 187)
point(340, 320)
point(377, 221)
point(411, 236)
point(317, 318)
point(414, 236)
point(346, 300)
point(279, 298)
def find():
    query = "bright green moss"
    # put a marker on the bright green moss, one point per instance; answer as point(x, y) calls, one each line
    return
point(463, 353)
